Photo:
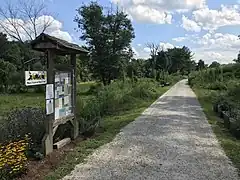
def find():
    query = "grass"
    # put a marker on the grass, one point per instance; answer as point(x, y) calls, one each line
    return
point(111, 123)
point(84, 86)
point(12, 101)
point(112, 126)
point(230, 144)
point(9, 102)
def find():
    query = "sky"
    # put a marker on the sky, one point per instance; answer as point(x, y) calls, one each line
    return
point(210, 28)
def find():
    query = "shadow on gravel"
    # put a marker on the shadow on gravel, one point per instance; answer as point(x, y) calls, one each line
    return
point(176, 142)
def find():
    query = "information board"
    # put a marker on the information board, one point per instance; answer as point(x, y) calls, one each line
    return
point(63, 95)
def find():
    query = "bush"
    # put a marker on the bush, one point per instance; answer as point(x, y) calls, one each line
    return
point(112, 99)
point(89, 116)
point(93, 89)
point(144, 90)
point(216, 86)
point(24, 121)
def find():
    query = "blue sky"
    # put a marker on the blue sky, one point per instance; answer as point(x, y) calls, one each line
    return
point(208, 27)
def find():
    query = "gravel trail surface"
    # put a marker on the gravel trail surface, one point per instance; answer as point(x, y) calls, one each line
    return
point(171, 140)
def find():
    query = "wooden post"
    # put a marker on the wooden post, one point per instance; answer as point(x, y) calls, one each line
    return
point(47, 141)
point(74, 97)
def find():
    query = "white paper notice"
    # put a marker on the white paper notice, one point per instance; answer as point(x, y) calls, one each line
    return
point(66, 100)
point(57, 78)
point(49, 106)
point(49, 91)
point(56, 113)
point(60, 103)
point(66, 80)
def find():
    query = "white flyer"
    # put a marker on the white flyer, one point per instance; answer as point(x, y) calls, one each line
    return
point(56, 113)
point(57, 78)
point(60, 103)
point(49, 91)
point(66, 100)
point(49, 106)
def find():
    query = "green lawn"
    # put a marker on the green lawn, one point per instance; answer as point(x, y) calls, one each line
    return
point(112, 126)
point(230, 144)
point(12, 101)
point(9, 102)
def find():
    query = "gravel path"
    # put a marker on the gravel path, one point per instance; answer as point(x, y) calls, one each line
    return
point(171, 140)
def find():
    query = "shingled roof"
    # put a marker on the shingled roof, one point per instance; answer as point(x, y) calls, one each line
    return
point(40, 44)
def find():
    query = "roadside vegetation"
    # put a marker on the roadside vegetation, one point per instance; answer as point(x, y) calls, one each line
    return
point(113, 89)
point(218, 91)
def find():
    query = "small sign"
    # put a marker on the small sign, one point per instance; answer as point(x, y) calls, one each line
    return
point(49, 106)
point(49, 91)
point(35, 78)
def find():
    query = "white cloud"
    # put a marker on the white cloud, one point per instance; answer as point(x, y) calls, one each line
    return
point(223, 57)
point(190, 25)
point(179, 39)
point(147, 14)
point(221, 47)
point(166, 46)
point(220, 41)
point(55, 29)
point(62, 35)
point(158, 11)
point(147, 49)
point(212, 19)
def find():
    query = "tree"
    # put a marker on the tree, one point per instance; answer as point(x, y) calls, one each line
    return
point(154, 48)
point(177, 59)
point(214, 64)
point(136, 68)
point(200, 65)
point(7, 70)
point(108, 36)
point(163, 61)
point(24, 19)
point(238, 58)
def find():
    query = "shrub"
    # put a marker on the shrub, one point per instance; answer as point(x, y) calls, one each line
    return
point(144, 90)
point(112, 99)
point(93, 89)
point(20, 122)
point(89, 116)
point(216, 86)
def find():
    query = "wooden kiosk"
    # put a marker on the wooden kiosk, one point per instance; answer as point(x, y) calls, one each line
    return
point(61, 81)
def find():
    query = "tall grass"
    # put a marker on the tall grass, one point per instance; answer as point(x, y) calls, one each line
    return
point(113, 99)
